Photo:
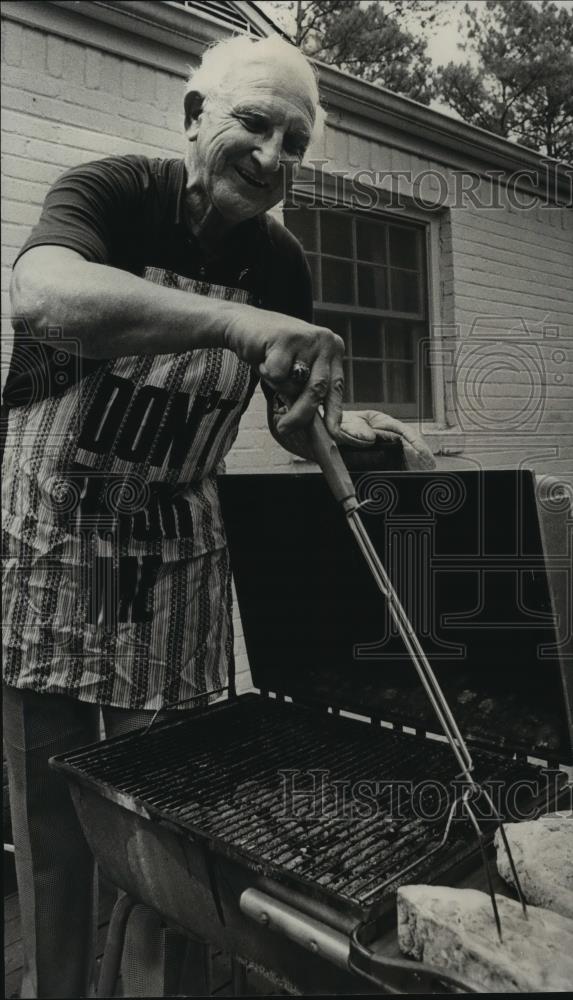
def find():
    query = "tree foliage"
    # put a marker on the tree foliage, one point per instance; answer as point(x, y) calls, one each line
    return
point(520, 81)
point(517, 80)
point(371, 41)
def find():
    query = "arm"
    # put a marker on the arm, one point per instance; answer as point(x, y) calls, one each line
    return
point(109, 312)
point(112, 313)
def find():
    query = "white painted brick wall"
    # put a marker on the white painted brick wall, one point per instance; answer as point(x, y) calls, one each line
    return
point(506, 295)
point(513, 274)
point(66, 103)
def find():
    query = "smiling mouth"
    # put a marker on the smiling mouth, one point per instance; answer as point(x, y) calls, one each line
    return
point(249, 179)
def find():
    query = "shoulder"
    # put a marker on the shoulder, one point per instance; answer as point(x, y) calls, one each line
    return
point(113, 165)
point(282, 241)
point(131, 171)
point(108, 181)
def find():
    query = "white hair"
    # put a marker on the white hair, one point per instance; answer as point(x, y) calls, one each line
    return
point(221, 60)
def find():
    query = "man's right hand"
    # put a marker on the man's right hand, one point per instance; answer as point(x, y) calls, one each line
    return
point(271, 342)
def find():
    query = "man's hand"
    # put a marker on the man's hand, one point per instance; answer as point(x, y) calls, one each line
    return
point(271, 343)
point(359, 429)
point(364, 428)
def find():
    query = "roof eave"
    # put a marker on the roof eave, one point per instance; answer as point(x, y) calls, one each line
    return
point(345, 92)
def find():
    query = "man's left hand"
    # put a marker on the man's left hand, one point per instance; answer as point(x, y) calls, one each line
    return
point(360, 429)
point(364, 428)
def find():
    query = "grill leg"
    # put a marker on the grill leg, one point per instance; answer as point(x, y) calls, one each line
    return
point(113, 951)
point(239, 978)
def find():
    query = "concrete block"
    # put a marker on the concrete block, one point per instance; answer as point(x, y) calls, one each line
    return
point(454, 930)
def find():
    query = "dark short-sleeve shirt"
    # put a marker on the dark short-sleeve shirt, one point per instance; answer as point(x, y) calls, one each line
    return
point(116, 575)
point(128, 212)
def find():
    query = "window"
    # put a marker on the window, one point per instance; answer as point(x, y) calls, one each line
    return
point(369, 277)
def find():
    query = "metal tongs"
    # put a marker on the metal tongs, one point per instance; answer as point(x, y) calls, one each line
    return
point(338, 478)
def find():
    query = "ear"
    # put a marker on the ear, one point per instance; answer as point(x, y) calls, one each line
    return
point(193, 105)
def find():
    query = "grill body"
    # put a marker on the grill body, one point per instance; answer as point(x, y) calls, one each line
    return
point(301, 802)
point(189, 815)
point(167, 870)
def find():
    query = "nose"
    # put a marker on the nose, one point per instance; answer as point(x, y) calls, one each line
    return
point(268, 153)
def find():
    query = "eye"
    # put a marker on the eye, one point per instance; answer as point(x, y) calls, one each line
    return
point(253, 123)
point(295, 145)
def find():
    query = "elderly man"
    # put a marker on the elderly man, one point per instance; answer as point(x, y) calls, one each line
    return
point(149, 299)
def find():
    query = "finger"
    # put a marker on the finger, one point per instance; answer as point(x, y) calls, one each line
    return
point(416, 451)
point(410, 438)
point(356, 431)
point(382, 423)
point(355, 426)
point(334, 397)
point(276, 366)
point(417, 458)
point(312, 395)
point(279, 405)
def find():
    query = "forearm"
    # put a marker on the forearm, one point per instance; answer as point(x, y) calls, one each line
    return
point(111, 313)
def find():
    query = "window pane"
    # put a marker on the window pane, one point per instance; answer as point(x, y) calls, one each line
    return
point(336, 234)
point(371, 241)
point(403, 247)
point(368, 385)
point(337, 322)
point(400, 382)
point(399, 339)
point(337, 283)
point(425, 405)
point(379, 274)
point(366, 337)
point(372, 286)
point(312, 259)
point(405, 291)
point(303, 223)
point(348, 397)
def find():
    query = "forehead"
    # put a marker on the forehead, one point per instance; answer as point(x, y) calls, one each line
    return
point(275, 87)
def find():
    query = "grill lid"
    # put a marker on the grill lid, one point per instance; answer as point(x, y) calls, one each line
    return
point(464, 551)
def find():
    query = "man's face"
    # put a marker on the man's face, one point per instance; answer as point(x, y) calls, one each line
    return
point(246, 140)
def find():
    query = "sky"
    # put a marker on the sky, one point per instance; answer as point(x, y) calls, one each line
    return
point(443, 44)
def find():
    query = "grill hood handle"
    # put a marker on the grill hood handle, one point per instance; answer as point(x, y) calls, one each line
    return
point(401, 975)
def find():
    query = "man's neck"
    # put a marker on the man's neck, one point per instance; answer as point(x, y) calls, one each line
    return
point(202, 218)
point(207, 225)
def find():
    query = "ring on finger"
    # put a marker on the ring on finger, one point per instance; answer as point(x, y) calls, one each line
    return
point(300, 372)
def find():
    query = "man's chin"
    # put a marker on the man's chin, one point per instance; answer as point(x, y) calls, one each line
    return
point(236, 210)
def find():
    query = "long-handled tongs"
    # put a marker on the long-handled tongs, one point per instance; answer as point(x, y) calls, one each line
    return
point(342, 488)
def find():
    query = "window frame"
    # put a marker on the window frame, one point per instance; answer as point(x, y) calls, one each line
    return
point(430, 222)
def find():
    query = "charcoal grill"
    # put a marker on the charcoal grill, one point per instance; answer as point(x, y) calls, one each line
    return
point(278, 825)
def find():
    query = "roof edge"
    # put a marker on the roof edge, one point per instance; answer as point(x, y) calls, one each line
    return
point(402, 114)
point(172, 26)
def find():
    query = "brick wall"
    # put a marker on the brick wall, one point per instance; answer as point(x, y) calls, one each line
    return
point(502, 278)
point(513, 282)
point(65, 103)
point(502, 306)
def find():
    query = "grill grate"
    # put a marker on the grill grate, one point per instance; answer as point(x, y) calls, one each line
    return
point(229, 772)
